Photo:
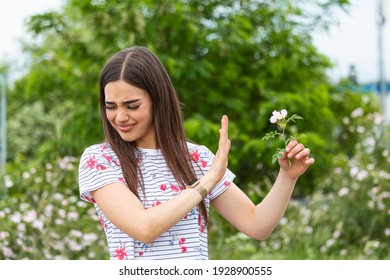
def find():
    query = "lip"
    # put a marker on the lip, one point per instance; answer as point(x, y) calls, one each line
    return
point(125, 128)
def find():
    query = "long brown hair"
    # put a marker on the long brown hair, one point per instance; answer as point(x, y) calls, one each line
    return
point(141, 68)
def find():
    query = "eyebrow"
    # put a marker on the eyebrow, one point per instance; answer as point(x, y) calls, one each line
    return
point(124, 102)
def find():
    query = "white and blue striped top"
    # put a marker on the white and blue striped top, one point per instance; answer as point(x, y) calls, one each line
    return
point(99, 167)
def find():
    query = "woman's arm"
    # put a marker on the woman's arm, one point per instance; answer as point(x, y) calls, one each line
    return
point(126, 211)
point(258, 221)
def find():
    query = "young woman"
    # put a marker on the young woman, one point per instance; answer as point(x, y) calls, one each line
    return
point(151, 187)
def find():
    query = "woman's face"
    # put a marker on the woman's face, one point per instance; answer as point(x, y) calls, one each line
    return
point(129, 110)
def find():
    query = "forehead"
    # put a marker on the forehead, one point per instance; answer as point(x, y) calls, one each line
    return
point(122, 90)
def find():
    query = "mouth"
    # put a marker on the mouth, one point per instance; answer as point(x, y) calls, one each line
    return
point(125, 128)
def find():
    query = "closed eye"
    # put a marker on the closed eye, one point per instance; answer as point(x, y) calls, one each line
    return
point(133, 107)
point(109, 106)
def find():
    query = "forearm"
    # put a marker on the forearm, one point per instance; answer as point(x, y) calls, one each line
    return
point(163, 217)
point(126, 211)
point(272, 208)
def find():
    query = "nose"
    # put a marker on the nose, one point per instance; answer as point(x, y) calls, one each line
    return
point(122, 115)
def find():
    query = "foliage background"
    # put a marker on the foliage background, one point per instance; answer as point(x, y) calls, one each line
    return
point(240, 58)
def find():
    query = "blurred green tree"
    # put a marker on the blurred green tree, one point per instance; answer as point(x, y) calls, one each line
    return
point(240, 58)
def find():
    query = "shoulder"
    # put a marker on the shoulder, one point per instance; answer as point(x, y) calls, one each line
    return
point(196, 147)
point(98, 150)
point(199, 152)
point(100, 153)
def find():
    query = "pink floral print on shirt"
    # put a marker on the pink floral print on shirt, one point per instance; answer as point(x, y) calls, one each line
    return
point(105, 226)
point(195, 155)
point(120, 253)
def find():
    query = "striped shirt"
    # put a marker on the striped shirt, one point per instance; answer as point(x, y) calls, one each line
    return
point(99, 167)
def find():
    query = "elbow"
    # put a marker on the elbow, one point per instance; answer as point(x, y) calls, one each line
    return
point(147, 233)
point(260, 235)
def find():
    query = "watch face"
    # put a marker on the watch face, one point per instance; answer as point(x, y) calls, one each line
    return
point(193, 182)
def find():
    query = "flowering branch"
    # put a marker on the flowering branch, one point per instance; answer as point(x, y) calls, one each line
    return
point(281, 121)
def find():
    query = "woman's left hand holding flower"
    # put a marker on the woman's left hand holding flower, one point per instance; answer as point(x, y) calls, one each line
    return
point(296, 159)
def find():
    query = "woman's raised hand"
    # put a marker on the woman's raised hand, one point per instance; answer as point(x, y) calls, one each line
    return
point(220, 163)
point(296, 159)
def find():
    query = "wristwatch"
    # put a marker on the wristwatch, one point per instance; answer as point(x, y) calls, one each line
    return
point(195, 184)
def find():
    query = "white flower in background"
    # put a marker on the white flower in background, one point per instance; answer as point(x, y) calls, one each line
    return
point(336, 234)
point(283, 221)
point(4, 235)
point(73, 216)
point(21, 227)
point(354, 171)
point(371, 166)
point(362, 174)
point(330, 242)
point(76, 233)
point(37, 224)
point(8, 183)
point(343, 192)
point(308, 230)
point(62, 213)
point(7, 252)
point(360, 129)
point(16, 217)
point(337, 170)
point(378, 118)
point(371, 141)
point(30, 216)
point(387, 231)
point(26, 175)
point(358, 112)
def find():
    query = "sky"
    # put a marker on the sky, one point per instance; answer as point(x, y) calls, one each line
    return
point(352, 41)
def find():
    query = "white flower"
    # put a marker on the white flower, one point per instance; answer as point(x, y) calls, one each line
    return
point(358, 112)
point(354, 171)
point(76, 233)
point(26, 175)
point(3, 235)
point(37, 224)
point(360, 129)
point(273, 119)
point(336, 234)
point(30, 216)
point(8, 181)
point(363, 174)
point(7, 252)
point(308, 230)
point(330, 242)
point(16, 218)
point(371, 141)
point(73, 216)
point(276, 115)
point(343, 192)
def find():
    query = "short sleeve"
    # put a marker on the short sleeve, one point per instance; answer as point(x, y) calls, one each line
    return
point(204, 158)
point(98, 168)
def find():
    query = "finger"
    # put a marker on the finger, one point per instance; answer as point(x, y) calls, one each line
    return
point(291, 145)
point(296, 150)
point(303, 154)
point(223, 131)
point(310, 161)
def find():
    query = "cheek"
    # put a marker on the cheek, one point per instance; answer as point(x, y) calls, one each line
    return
point(142, 115)
point(110, 115)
